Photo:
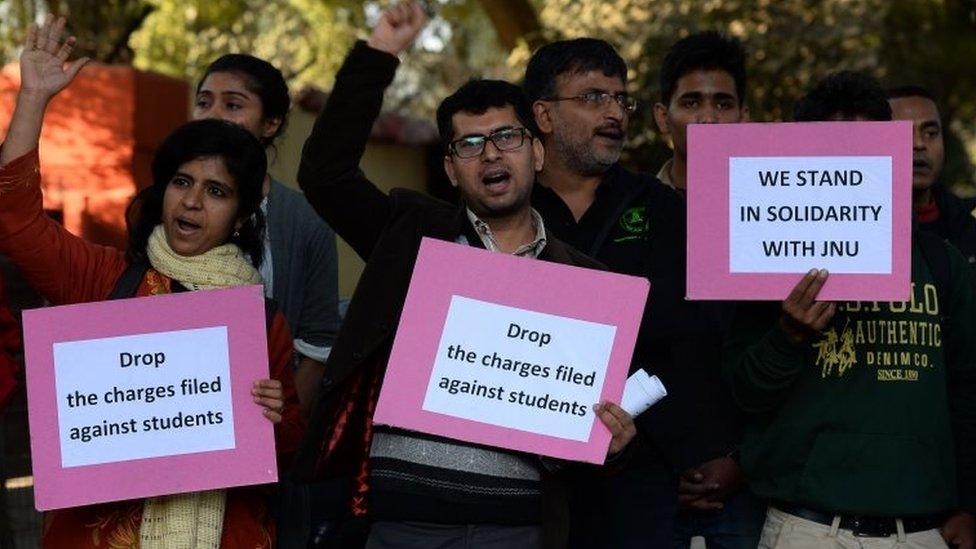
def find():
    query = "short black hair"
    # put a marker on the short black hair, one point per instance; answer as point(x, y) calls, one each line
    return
point(910, 90)
point(576, 56)
point(846, 93)
point(703, 51)
point(262, 79)
point(476, 97)
point(245, 161)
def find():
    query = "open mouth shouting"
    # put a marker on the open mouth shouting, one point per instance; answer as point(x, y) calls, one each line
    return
point(497, 179)
point(185, 227)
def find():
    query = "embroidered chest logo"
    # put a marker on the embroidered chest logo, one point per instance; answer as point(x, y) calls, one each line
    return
point(835, 351)
point(635, 224)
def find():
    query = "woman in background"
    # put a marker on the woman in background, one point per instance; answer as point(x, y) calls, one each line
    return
point(300, 265)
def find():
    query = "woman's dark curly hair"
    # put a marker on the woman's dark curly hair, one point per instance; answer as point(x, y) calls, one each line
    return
point(245, 161)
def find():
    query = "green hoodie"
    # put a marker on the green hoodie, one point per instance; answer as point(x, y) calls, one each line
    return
point(877, 416)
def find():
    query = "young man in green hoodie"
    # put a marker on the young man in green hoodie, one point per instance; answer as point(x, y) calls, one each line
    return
point(862, 414)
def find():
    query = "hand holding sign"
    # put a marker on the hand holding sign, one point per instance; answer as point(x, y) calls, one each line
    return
point(133, 389)
point(804, 317)
point(498, 362)
point(268, 393)
point(766, 202)
point(620, 424)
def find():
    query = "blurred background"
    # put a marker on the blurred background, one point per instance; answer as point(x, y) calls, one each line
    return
point(101, 132)
point(791, 43)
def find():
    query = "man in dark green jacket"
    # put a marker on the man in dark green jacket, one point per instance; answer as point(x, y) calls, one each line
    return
point(862, 414)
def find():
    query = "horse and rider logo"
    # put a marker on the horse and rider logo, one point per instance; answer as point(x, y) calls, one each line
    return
point(835, 351)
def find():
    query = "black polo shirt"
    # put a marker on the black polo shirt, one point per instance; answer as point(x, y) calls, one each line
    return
point(636, 226)
point(616, 229)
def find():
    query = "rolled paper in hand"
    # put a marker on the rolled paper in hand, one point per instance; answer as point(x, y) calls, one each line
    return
point(641, 392)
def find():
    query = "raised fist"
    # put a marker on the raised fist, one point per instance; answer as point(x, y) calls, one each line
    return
point(398, 27)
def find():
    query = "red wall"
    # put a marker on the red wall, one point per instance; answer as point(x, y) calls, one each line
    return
point(97, 143)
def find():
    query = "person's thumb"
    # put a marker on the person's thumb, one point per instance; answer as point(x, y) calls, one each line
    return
point(76, 66)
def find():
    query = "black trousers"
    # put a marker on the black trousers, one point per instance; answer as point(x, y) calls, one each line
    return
point(423, 535)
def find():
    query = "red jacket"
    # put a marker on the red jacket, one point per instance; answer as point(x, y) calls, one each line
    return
point(66, 269)
point(10, 344)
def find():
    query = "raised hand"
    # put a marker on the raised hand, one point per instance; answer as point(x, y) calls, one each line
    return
point(42, 63)
point(397, 27)
point(43, 74)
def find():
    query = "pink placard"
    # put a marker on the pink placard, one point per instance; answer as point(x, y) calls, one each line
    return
point(238, 312)
point(447, 273)
point(713, 150)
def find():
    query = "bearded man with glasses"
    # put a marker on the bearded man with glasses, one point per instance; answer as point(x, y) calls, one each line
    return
point(635, 225)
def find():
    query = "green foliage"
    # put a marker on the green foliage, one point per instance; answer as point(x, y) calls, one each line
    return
point(103, 27)
point(791, 45)
point(933, 42)
point(460, 43)
point(15, 16)
point(306, 39)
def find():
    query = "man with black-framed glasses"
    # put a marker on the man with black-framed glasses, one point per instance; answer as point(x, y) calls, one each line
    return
point(635, 225)
point(418, 490)
point(504, 139)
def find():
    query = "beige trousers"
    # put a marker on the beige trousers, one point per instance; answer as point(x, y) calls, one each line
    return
point(785, 531)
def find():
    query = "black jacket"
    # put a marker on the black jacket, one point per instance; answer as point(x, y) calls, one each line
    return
point(955, 223)
point(636, 226)
point(385, 230)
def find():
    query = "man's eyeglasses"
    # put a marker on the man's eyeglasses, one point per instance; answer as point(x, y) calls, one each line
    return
point(601, 99)
point(507, 139)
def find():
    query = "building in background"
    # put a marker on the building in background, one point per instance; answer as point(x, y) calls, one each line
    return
point(97, 143)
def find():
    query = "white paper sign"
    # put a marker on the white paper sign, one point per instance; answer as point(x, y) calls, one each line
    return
point(520, 369)
point(164, 394)
point(791, 214)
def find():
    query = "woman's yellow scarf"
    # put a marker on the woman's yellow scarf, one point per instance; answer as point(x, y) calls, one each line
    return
point(219, 267)
point(194, 520)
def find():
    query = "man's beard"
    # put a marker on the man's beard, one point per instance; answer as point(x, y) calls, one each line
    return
point(583, 158)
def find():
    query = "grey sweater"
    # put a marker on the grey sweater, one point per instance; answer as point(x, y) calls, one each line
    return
point(305, 280)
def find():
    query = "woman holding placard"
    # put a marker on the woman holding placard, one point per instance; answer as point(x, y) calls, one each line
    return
point(193, 228)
